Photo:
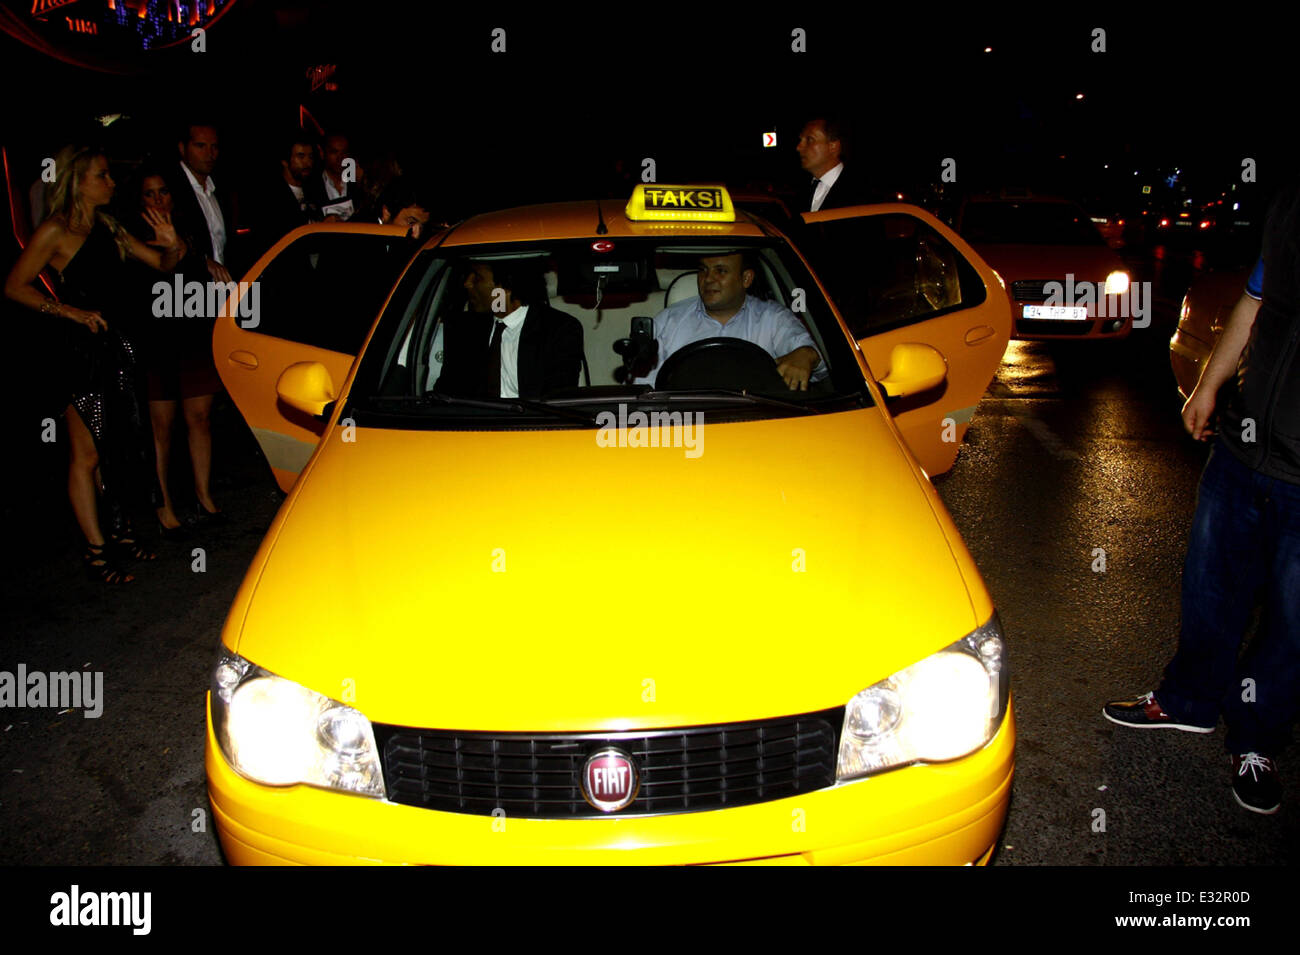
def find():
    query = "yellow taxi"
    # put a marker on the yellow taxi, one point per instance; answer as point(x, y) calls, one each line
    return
point(665, 609)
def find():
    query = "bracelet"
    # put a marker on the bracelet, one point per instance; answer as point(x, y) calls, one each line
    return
point(51, 307)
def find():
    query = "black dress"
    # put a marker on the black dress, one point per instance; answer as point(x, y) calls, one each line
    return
point(174, 354)
point(102, 373)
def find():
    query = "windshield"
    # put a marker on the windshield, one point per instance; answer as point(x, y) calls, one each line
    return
point(513, 335)
point(1028, 223)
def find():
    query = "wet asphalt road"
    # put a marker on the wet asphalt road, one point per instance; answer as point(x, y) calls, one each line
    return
point(1075, 447)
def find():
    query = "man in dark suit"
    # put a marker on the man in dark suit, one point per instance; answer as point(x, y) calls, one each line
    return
point(201, 212)
point(823, 145)
point(336, 191)
point(286, 205)
point(511, 343)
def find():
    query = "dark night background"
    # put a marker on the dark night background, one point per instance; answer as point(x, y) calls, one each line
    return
point(583, 87)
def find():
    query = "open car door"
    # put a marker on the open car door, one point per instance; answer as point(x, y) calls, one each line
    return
point(898, 275)
point(312, 297)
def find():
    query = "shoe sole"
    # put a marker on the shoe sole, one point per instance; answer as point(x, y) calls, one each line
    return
point(1262, 812)
point(1186, 728)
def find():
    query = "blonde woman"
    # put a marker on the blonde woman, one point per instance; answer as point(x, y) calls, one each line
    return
point(86, 249)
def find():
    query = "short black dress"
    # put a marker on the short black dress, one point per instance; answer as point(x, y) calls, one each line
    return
point(102, 380)
point(175, 353)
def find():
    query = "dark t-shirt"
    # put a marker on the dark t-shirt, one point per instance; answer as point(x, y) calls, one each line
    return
point(1261, 424)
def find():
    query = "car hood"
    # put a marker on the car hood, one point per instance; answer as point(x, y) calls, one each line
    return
point(538, 581)
point(1087, 263)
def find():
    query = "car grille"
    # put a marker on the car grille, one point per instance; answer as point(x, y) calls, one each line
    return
point(539, 775)
point(1030, 291)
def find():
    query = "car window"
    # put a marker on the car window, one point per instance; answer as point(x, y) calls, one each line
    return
point(891, 270)
point(595, 300)
point(326, 288)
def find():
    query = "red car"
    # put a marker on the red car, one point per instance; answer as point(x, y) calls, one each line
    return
point(1064, 281)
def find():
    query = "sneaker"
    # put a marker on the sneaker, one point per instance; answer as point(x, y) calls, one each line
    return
point(1255, 784)
point(1145, 713)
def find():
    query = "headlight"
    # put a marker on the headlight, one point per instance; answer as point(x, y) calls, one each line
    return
point(1117, 283)
point(944, 707)
point(279, 733)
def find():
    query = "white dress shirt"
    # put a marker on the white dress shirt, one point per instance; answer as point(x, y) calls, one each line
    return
point(211, 213)
point(824, 186)
point(337, 202)
point(332, 191)
point(510, 350)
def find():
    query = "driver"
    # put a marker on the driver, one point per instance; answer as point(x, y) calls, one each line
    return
point(723, 310)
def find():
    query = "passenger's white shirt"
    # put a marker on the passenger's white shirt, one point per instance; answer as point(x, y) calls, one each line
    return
point(510, 350)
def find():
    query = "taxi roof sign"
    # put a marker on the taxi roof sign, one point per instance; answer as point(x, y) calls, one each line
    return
point(652, 202)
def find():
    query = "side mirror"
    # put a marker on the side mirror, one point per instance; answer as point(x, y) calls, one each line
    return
point(306, 386)
point(913, 368)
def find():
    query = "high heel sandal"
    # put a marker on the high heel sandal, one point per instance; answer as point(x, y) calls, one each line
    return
point(124, 539)
point(178, 534)
point(205, 518)
point(99, 564)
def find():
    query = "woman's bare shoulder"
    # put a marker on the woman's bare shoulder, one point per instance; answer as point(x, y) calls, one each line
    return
point(51, 232)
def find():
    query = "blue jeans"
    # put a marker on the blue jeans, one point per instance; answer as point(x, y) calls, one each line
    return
point(1244, 546)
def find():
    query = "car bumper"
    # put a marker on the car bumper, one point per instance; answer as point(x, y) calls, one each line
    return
point(1048, 329)
point(947, 814)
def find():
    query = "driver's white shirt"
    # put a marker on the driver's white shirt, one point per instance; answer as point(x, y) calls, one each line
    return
point(769, 325)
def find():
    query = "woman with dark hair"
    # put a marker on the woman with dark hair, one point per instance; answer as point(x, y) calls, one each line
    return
point(86, 249)
point(178, 366)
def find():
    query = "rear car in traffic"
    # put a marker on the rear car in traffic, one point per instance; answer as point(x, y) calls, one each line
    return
point(1064, 281)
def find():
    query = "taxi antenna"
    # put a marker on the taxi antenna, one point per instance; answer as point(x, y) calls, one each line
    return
point(600, 220)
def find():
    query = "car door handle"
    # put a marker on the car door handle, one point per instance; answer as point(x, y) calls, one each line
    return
point(245, 358)
point(978, 334)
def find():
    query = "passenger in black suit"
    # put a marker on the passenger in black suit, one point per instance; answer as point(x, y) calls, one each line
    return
point(511, 343)
point(822, 148)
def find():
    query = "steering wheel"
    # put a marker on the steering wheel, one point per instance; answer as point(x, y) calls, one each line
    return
point(729, 363)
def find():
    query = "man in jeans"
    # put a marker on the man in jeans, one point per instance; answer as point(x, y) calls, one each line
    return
point(1245, 539)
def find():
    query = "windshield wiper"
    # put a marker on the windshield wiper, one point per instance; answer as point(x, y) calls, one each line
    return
point(713, 393)
point(513, 405)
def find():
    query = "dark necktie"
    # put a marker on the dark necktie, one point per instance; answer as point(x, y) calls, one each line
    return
point(813, 198)
point(492, 381)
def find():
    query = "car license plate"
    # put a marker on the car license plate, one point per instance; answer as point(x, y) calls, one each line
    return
point(1072, 313)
